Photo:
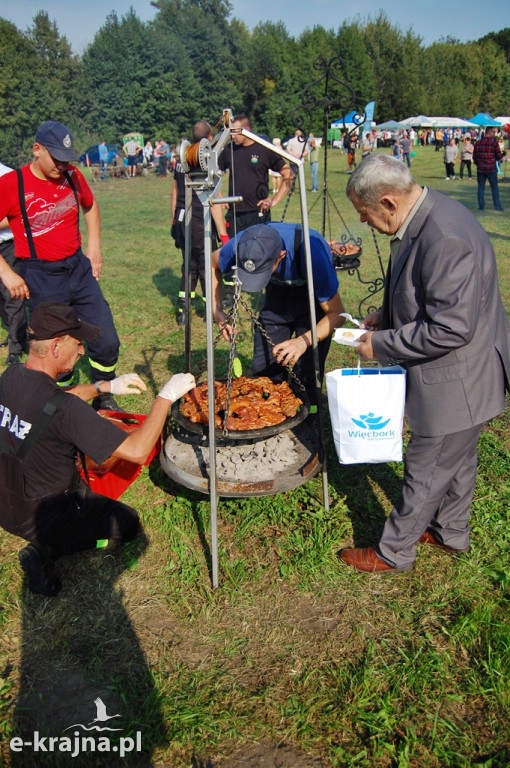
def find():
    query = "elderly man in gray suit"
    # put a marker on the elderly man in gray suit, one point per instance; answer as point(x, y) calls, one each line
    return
point(442, 318)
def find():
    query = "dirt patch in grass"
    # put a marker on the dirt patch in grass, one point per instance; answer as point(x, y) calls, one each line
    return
point(264, 755)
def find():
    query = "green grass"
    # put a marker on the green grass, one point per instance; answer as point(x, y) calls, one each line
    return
point(293, 652)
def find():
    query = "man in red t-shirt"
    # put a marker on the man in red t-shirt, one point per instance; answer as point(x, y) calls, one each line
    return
point(51, 265)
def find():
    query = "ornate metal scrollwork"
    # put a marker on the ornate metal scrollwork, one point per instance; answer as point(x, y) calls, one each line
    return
point(345, 100)
point(337, 95)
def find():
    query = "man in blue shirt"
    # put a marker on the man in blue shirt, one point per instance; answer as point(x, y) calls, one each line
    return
point(272, 256)
point(103, 160)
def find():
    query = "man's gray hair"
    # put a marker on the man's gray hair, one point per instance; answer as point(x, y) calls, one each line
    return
point(39, 348)
point(377, 175)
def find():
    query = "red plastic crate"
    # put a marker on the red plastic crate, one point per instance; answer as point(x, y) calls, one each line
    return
point(116, 475)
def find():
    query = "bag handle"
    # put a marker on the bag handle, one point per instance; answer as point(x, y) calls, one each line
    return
point(379, 367)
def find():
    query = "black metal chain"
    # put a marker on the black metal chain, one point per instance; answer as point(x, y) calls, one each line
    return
point(256, 322)
point(232, 347)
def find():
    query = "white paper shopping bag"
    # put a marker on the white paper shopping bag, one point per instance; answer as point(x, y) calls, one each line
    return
point(366, 407)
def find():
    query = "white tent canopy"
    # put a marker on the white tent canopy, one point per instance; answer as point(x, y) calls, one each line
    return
point(421, 121)
point(452, 122)
point(438, 122)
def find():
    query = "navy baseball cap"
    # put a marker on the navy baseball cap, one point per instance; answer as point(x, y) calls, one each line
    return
point(58, 140)
point(50, 320)
point(257, 250)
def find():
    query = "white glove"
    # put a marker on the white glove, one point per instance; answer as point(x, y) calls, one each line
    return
point(127, 384)
point(177, 386)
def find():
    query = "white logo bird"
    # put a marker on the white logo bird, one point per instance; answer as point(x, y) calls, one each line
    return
point(101, 715)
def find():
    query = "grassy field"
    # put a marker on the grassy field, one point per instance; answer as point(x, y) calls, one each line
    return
point(295, 660)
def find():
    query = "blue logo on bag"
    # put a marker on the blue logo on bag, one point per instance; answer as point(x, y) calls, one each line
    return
point(369, 421)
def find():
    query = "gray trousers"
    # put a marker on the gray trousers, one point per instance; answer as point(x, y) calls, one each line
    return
point(438, 487)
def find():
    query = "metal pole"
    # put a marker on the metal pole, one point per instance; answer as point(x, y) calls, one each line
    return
point(313, 323)
point(187, 298)
point(325, 176)
point(213, 495)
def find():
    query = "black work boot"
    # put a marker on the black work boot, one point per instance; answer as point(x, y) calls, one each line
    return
point(40, 571)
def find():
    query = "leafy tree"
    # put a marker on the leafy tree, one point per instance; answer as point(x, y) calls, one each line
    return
point(202, 28)
point(16, 85)
point(502, 39)
point(359, 70)
point(58, 72)
point(485, 87)
point(121, 67)
point(39, 80)
point(270, 88)
point(495, 70)
point(445, 65)
point(395, 58)
point(322, 79)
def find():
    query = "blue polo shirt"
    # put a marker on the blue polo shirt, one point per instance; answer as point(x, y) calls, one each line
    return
point(290, 273)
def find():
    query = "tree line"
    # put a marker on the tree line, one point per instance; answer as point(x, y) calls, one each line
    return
point(192, 61)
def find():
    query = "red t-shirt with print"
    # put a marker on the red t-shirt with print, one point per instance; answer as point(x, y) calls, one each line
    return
point(51, 209)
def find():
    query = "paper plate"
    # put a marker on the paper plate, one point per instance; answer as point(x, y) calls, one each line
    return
point(348, 336)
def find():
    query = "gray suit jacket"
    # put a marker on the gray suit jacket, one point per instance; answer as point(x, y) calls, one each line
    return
point(445, 320)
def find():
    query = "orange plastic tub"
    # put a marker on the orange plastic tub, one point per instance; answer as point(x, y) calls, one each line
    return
point(116, 475)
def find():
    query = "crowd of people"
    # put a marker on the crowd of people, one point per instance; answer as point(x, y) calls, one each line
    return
point(442, 318)
point(485, 149)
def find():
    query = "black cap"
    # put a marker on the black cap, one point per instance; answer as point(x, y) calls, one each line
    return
point(58, 140)
point(258, 249)
point(50, 320)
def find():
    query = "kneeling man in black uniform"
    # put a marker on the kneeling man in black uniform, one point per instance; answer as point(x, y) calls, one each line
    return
point(42, 428)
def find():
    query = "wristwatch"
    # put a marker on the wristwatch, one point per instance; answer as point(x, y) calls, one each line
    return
point(97, 384)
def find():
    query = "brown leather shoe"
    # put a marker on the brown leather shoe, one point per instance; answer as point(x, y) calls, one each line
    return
point(365, 559)
point(428, 538)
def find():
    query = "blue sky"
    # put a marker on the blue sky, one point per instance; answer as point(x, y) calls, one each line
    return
point(430, 19)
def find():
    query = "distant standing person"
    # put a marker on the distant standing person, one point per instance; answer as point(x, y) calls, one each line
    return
point(314, 161)
point(368, 146)
point(276, 178)
point(396, 150)
point(147, 154)
point(449, 158)
point(297, 146)
point(406, 149)
point(501, 143)
point(163, 155)
point(132, 149)
point(486, 154)
point(352, 140)
point(466, 156)
point(103, 160)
